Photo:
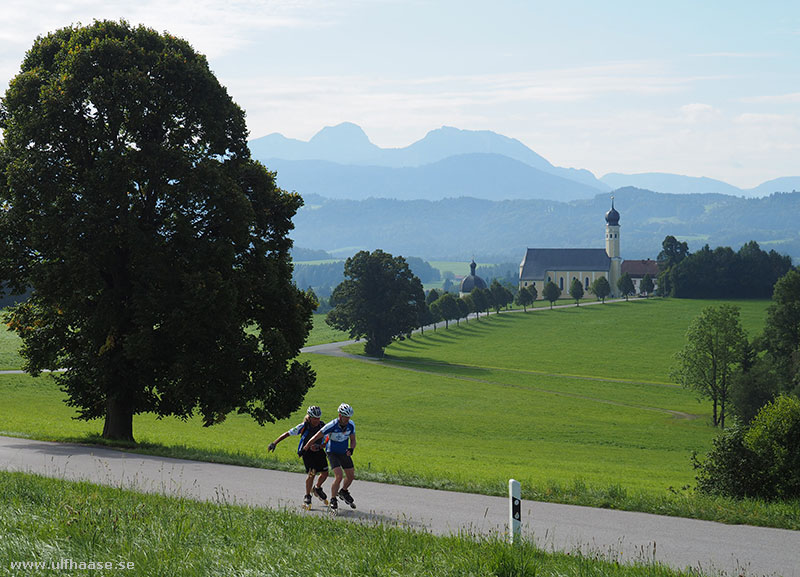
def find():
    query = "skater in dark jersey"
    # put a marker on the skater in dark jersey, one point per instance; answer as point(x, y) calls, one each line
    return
point(312, 453)
point(341, 443)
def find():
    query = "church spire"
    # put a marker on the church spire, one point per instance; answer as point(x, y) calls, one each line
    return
point(612, 216)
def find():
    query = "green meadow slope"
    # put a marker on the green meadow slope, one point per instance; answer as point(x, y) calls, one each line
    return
point(569, 397)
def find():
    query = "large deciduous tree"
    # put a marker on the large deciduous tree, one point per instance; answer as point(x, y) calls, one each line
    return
point(379, 300)
point(714, 348)
point(151, 242)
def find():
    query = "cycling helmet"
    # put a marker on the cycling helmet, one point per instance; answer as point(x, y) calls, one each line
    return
point(314, 411)
point(345, 410)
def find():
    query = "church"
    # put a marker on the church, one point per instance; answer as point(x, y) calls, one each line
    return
point(562, 265)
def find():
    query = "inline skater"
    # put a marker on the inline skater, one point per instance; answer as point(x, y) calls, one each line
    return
point(341, 443)
point(312, 454)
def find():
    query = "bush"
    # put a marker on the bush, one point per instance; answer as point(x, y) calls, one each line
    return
point(774, 436)
point(759, 461)
point(730, 468)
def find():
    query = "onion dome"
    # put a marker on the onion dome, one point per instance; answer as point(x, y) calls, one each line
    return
point(612, 216)
point(472, 281)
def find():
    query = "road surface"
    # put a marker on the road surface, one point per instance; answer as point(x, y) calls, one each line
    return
point(618, 535)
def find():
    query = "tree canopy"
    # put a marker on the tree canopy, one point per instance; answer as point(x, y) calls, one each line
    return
point(625, 285)
point(722, 272)
point(601, 288)
point(647, 285)
point(150, 240)
point(576, 291)
point(782, 330)
point(379, 300)
point(525, 297)
point(715, 343)
point(551, 293)
point(447, 305)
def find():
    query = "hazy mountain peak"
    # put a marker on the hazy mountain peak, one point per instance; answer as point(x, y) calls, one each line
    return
point(347, 143)
point(344, 134)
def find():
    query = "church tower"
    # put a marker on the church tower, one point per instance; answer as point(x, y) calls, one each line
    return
point(612, 248)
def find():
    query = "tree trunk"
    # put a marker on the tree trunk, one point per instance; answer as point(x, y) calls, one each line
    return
point(119, 421)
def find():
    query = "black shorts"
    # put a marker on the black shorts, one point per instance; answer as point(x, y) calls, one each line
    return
point(340, 460)
point(315, 461)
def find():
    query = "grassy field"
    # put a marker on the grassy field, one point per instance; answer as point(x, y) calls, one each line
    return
point(49, 521)
point(574, 403)
point(322, 333)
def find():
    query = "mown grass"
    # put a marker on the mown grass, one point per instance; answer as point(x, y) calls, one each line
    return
point(323, 333)
point(567, 401)
point(10, 342)
point(49, 520)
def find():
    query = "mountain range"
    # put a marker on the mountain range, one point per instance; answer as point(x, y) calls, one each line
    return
point(458, 194)
point(341, 162)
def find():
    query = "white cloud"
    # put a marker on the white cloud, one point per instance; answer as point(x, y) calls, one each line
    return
point(214, 28)
point(697, 112)
point(790, 98)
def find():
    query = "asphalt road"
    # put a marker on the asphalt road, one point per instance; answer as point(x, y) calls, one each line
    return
point(623, 536)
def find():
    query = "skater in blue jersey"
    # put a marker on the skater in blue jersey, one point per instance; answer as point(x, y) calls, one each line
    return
point(312, 453)
point(341, 443)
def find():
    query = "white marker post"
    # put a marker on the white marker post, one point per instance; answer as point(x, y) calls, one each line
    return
point(514, 511)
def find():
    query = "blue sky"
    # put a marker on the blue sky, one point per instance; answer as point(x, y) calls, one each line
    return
point(697, 88)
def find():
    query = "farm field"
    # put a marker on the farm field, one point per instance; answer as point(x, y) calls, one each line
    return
point(569, 397)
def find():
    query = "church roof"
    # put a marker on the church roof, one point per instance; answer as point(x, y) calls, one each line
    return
point(538, 261)
point(639, 268)
point(472, 281)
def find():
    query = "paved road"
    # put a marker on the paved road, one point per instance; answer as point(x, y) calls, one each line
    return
point(623, 536)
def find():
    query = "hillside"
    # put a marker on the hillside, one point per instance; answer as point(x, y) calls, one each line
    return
point(460, 228)
point(481, 175)
point(679, 184)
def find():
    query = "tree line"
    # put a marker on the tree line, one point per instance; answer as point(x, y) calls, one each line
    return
point(322, 278)
point(757, 381)
point(721, 273)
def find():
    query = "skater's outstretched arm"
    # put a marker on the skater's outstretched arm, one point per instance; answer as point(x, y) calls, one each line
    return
point(295, 431)
point(276, 441)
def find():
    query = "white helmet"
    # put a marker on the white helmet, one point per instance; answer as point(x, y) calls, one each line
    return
point(314, 411)
point(345, 410)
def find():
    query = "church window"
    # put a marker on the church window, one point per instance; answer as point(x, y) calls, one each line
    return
point(561, 283)
point(587, 283)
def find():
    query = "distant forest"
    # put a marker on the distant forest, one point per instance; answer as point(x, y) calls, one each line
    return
point(458, 229)
point(324, 277)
